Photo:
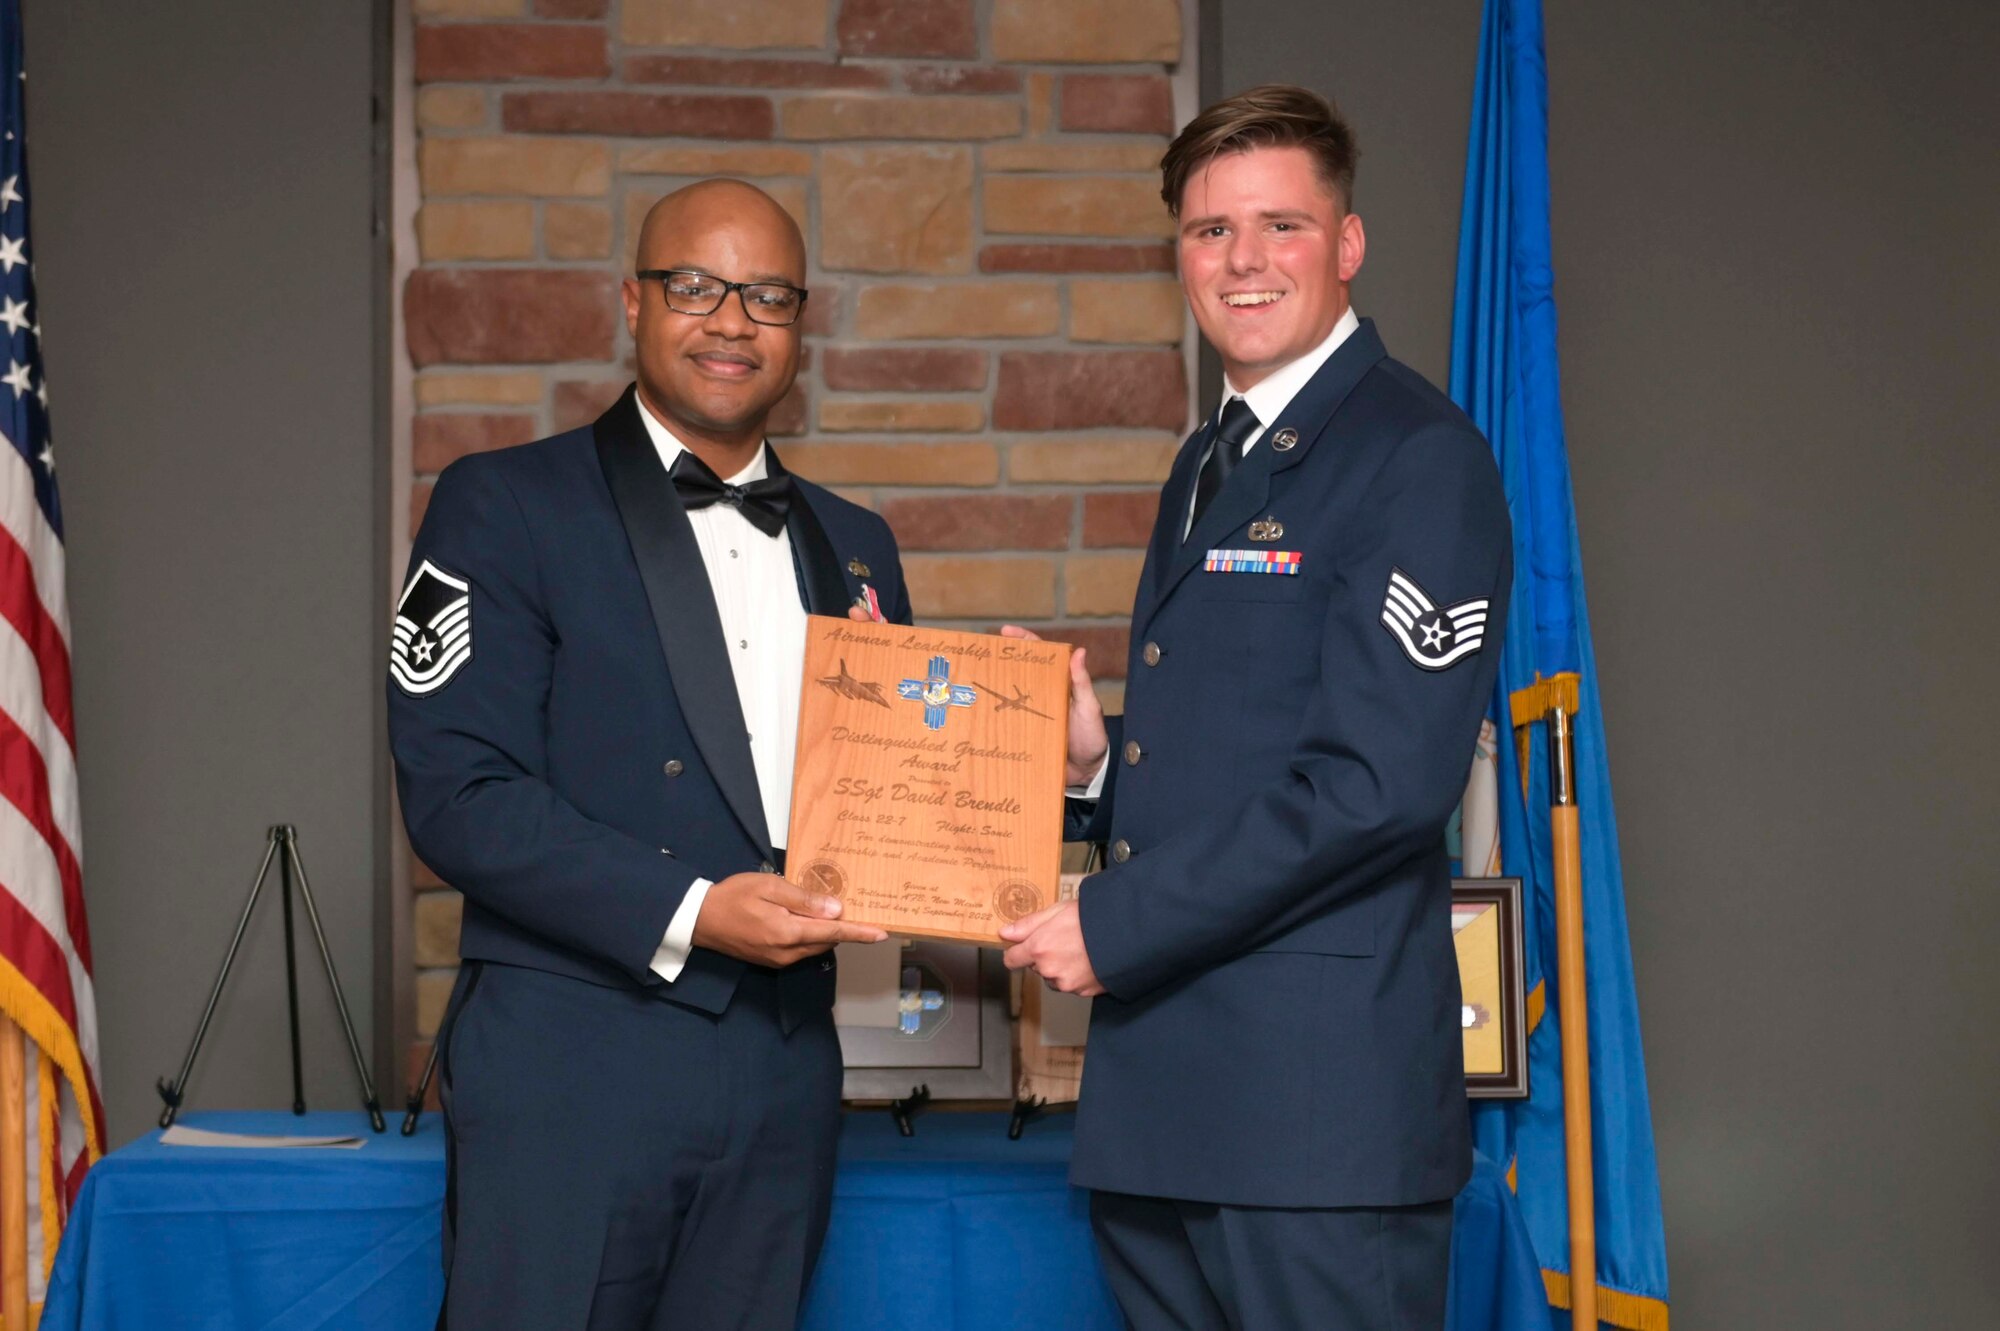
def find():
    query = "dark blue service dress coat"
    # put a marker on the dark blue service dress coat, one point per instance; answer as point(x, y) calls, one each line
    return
point(586, 760)
point(1282, 1022)
point(621, 1151)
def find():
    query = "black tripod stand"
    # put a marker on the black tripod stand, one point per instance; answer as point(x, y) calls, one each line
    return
point(413, 1108)
point(284, 849)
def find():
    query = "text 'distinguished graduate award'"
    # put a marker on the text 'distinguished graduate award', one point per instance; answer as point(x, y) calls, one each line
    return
point(928, 789)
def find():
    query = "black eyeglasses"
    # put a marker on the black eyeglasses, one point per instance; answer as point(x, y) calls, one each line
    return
point(775, 303)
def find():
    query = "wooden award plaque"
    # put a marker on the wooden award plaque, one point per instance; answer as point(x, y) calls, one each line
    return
point(928, 789)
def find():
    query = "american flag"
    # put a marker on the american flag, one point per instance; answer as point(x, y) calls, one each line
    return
point(45, 985)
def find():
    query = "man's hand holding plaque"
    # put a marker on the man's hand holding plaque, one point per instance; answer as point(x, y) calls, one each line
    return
point(1087, 745)
point(1050, 942)
point(768, 921)
point(927, 792)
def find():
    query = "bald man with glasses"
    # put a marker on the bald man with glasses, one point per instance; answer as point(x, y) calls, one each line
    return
point(593, 704)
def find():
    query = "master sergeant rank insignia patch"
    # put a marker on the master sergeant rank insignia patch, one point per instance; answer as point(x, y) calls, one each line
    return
point(1434, 639)
point(432, 636)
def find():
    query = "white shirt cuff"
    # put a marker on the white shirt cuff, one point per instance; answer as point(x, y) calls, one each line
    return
point(1095, 789)
point(674, 948)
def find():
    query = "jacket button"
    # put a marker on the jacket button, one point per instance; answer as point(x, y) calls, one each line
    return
point(826, 963)
point(1133, 753)
point(673, 767)
point(1121, 850)
point(1151, 654)
point(765, 866)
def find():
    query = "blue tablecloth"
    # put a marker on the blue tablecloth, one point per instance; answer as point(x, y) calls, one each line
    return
point(956, 1229)
point(176, 1238)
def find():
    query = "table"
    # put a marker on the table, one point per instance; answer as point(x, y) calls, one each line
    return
point(179, 1238)
point(956, 1229)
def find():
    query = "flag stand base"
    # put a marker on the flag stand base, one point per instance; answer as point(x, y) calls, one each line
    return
point(282, 848)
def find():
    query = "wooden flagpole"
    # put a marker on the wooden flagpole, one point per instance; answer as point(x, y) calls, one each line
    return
point(13, 1176)
point(1557, 700)
point(1575, 1010)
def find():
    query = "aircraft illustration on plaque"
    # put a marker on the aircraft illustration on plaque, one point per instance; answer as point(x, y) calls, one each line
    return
point(847, 686)
point(1018, 703)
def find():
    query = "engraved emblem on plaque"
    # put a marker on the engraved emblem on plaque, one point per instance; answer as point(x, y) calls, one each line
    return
point(1016, 899)
point(937, 693)
point(824, 876)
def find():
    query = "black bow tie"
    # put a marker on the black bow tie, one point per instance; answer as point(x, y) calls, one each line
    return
point(764, 503)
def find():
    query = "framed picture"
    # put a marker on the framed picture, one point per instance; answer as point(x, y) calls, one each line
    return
point(915, 1012)
point(1486, 925)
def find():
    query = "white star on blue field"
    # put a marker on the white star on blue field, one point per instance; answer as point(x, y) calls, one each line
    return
point(24, 416)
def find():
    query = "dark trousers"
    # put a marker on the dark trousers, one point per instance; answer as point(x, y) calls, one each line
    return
point(1197, 1266)
point(618, 1162)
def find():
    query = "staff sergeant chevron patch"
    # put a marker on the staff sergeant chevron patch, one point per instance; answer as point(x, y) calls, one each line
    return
point(432, 636)
point(1435, 639)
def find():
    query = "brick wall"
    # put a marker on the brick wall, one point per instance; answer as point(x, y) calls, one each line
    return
point(994, 340)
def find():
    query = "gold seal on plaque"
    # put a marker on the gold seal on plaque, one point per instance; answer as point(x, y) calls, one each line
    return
point(1015, 899)
point(823, 876)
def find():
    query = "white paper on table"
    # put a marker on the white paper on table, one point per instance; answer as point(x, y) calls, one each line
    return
point(868, 985)
point(178, 1135)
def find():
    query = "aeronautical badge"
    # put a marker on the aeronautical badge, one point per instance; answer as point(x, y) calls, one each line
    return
point(1434, 638)
point(432, 636)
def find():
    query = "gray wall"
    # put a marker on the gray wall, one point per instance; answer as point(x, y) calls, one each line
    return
point(202, 195)
point(1778, 293)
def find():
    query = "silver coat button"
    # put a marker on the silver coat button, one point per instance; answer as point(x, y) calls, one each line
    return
point(1121, 850)
point(1133, 753)
point(1151, 654)
point(673, 767)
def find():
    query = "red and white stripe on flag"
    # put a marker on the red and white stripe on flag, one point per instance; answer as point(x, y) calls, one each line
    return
point(45, 983)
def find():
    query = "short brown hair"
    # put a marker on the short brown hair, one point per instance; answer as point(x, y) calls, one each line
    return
point(1275, 115)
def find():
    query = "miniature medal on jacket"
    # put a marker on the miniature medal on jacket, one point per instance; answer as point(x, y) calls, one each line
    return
point(1431, 637)
point(432, 636)
point(870, 603)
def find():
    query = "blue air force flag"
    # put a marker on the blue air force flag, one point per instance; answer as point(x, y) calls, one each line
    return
point(1504, 373)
